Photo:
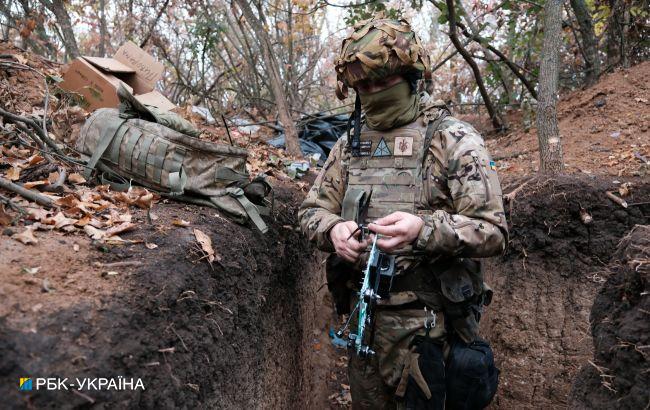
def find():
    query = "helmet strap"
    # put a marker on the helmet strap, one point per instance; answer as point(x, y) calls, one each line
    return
point(356, 138)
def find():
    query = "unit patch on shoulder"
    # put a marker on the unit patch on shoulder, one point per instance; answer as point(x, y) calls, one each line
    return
point(403, 146)
point(364, 148)
point(382, 149)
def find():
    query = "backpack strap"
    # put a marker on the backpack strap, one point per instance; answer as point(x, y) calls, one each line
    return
point(251, 210)
point(104, 142)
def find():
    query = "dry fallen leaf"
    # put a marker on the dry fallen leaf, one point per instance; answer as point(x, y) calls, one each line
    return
point(180, 222)
point(32, 184)
point(206, 244)
point(94, 233)
point(26, 237)
point(123, 227)
point(5, 218)
point(59, 221)
point(53, 177)
point(149, 245)
point(31, 271)
point(625, 189)
point(13, 173)
point(76, 178)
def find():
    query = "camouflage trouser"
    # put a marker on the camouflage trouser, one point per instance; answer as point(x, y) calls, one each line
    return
point(375, 381)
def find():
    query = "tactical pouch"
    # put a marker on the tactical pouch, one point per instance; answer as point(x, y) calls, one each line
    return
point(351, 207)
point(472, 377)
point(461, 284)
point(338, 272)
point(424, 374)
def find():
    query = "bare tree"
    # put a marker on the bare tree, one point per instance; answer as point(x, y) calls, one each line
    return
point(548, 133)
point(453, 35)
point(589, 40)
point(291, 135)
point(57, 7)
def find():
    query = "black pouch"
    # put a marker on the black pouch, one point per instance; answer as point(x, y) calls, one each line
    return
point(338, 272)
point(425, 389)
point(472, 377)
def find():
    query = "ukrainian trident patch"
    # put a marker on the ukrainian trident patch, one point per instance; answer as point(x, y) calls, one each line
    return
point(403, 146)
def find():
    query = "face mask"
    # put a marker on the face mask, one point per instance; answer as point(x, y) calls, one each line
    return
point(390, 108)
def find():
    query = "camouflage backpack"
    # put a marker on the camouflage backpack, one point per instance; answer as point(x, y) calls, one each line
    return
point(160, 151)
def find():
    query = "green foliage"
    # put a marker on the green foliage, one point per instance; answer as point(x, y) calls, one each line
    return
point(207, 31)
point(359, 11)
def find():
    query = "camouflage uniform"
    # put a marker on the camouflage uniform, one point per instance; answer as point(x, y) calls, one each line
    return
point(454, 188)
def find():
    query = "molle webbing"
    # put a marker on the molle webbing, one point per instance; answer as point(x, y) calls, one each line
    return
point(395, 181)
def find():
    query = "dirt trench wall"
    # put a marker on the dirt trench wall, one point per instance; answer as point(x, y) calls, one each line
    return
point(545, 284)
point(229, 337)
point(619, 373)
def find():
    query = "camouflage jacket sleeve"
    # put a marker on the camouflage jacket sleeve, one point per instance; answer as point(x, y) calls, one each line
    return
point(321, 209)
point(463, 176)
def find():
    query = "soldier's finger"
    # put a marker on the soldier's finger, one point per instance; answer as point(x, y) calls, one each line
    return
point(356, 245)
point(350, 255)
point(390, 230)
point(388, 219)
point(390, 244)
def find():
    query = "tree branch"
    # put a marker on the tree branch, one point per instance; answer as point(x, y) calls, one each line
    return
point(453, 35)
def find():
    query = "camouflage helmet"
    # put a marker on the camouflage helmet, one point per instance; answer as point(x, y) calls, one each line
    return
point(378, 47)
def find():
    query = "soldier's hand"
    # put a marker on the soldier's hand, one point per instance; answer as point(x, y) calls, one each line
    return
point(349, 248)
point(401, 228)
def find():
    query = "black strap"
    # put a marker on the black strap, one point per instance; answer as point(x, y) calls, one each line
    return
point(356, 138)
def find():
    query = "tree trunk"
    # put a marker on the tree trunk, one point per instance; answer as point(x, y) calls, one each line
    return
point(63, 18)
point(615, 32)
point(291, 135)
point(102, 28)
point(625, 49)
point(548, 133)
point(589, 41)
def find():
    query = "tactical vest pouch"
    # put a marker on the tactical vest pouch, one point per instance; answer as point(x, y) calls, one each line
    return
point(461, 284)
point(170, 162)
point(352, 204)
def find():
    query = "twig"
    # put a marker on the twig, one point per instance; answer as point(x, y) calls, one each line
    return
point(58, 185)
point(47, 89)
point(509, 197)
point(225, 124)
point(179, 338)
point(35, 126)
point(616, 199)
point(120, 264)
point(30, 134)
point(26, 193)
point(84, 396)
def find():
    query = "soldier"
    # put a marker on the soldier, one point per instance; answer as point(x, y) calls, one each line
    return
point(435, 199)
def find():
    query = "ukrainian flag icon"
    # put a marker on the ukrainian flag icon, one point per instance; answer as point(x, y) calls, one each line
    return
point(26, 383)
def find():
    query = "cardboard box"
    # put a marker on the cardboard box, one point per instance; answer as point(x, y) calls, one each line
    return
point(97, 79)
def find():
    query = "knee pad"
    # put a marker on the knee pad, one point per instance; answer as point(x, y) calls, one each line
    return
point(425, 388)
point(472, 377)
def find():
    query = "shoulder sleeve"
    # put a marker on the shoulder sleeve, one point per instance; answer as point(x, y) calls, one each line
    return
point(321, 209)
point(477, 226)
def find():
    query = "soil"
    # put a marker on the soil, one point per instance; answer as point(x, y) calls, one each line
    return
point(619, 375)
point(195, 335)
point(545, 283)
point(605, 129)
